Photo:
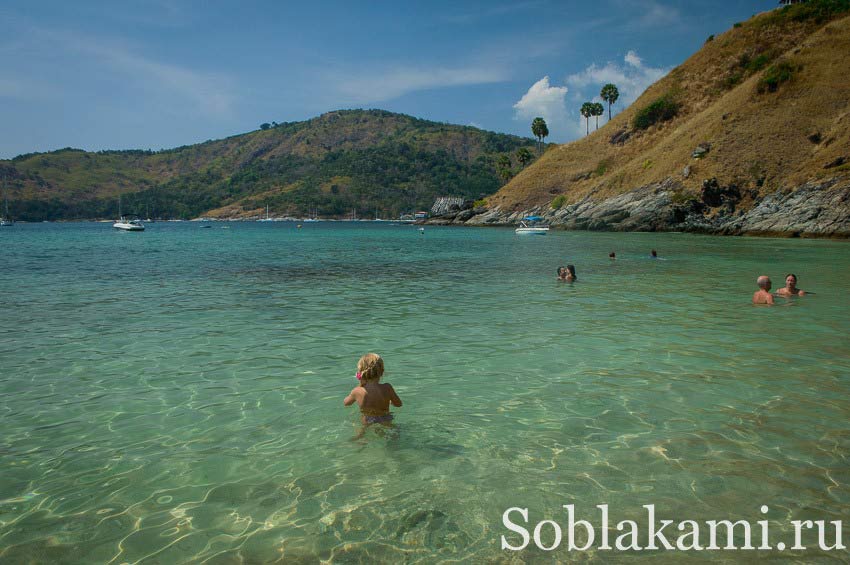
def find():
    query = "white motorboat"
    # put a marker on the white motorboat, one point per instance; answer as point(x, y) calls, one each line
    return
point(530, 226)
point(126, 224)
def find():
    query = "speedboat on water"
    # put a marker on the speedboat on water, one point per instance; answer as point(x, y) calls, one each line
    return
point(133, 224)
point(530, 226)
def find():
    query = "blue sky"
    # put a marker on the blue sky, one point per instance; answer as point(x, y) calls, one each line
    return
point(162, 73)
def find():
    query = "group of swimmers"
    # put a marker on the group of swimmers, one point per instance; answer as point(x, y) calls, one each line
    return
point(374, 397)
point(568, 273)
point(763, 296)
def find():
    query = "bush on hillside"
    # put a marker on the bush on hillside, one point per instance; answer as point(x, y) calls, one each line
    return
point(818, 11)
point(661, 110)
point(558, 201)
point(776, 74)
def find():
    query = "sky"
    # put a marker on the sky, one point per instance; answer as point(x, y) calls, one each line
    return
point(164, 73)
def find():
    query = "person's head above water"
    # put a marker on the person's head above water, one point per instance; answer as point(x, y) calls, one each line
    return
point(370, 367)
point(654, 253)
point(612, 255)
point(791, 280)
point(572, 271)
point(764, 282)
point(561, 271)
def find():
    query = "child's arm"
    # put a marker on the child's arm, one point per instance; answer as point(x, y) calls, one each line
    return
point(352, 396)
point(396, 401)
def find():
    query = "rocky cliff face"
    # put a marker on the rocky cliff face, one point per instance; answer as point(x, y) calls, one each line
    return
point(812, 210)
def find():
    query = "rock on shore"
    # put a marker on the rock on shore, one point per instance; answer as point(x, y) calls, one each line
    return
point(819, 209)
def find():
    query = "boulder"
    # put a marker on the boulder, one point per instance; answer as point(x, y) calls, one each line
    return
point(701, 150)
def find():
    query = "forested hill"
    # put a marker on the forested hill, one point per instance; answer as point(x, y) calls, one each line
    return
point(343, 161)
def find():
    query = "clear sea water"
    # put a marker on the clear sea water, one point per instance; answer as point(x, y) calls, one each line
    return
point(175, 396)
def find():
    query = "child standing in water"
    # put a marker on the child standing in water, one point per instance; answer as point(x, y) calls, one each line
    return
point(372, 396)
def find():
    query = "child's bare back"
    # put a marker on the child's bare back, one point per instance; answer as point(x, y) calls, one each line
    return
point(372, 396)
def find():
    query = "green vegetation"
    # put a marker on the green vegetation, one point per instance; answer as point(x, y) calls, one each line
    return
point(598, 110)
point(524, 156)
point(662, 109)
point(558, 202)
point(776, 74)
point(610, 94)
point(817, 11)
point(587, 110)
point(602, 167)
point(503, 167)
point(341, 161)
point(540, 131)
point(480, 203)
point(736, 25)
point(709, 38)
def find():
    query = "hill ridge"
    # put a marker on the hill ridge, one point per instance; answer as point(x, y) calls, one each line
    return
point(343, 159)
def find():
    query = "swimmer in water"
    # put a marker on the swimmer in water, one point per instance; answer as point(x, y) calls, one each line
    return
point(372, 396)
point(790, 287)
point(762, 295)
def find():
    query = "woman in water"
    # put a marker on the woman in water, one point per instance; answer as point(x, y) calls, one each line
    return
point(790, 287)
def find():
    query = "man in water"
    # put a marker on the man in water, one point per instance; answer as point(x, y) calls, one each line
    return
point(790, 287)
point(762, 295)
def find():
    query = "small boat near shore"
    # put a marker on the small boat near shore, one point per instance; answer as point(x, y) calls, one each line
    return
point(6, 221)
point(530, 226)
point(127, 224)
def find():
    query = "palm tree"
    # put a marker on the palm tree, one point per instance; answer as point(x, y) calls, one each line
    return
point(609, 94)
point(587, 111)
point(540, 131)
point(598, 110)
point(503, 166)
point(523, 155)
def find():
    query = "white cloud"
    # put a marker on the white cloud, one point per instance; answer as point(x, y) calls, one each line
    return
point(631, 79)
point(386, 84)
point(633, 59)
point(545, 101)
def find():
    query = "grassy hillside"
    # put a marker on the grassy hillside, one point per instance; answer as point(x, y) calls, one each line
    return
point(339, 162)
point(770, 97)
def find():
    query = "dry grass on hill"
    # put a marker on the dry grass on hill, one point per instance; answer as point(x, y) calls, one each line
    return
point(761, 141)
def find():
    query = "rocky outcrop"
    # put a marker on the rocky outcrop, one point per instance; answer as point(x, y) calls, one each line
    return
point(814, 209)
point(448, 204)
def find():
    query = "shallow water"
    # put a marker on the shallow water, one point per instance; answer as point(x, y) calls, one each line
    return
point(176, 395)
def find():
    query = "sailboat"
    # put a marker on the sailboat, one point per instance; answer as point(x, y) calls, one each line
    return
point(6, 221)
point(314, 217)
point(267, 218)
point(127, 224)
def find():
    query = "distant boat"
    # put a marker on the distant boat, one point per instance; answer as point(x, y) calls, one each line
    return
point(267, 218)
point(127, 224)
point(530, 226)
point(6, 221)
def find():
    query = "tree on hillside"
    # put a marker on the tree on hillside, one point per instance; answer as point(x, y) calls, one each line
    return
point(503, 167)
point(540, 131)
point(265, 126)
point(524, 156)
point(609, 94)
point(598, 110)
point(587, 111)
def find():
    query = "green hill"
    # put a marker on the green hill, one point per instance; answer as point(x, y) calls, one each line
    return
point(344, 161)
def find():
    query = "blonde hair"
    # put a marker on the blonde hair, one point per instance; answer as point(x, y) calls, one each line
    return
point(370, 367)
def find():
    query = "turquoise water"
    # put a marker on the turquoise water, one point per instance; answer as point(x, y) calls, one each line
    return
point(176, 396)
